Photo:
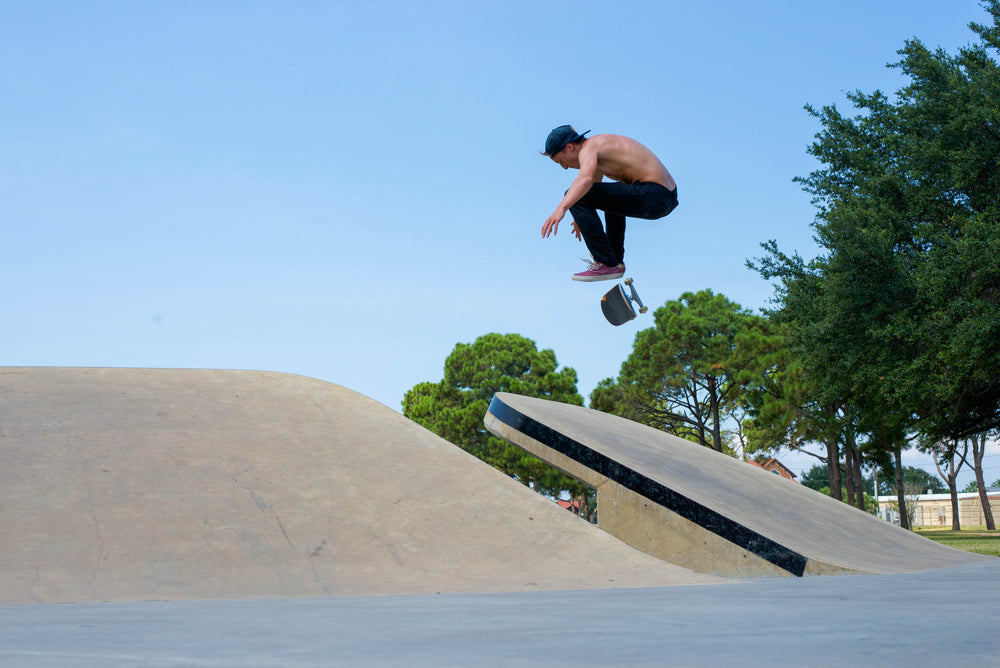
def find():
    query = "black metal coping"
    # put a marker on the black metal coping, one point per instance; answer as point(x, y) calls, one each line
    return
point(708, 519)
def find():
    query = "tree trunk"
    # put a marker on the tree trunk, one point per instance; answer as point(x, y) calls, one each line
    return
point(854, 477)
point(904, 521)
point(978, 450)
point(833, 467)
point(716, 423)
point(585, 510)
point(956, 521)
point(956, 518)
point(859, 483)
point(849, 470)
point(951, 478)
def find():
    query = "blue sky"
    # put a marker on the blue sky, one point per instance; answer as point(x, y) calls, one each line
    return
point(345, 190)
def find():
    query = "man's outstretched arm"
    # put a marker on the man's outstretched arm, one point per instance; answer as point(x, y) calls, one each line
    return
point(581, 186)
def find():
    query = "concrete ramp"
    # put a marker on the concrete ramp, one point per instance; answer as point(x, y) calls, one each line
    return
point(703, 510)
point(129, 484)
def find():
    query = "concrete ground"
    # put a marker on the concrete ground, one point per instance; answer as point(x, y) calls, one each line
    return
point(236, 518)
point(936, 618)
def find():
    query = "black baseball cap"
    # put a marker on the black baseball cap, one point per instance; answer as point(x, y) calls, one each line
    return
point(558, 139)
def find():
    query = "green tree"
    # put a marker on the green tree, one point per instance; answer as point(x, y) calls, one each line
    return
point(918, 481)
point(784, 414)
point(910, 196)
point(817, 478)
point(688, 374)
point(899, 315)
point(454, 407)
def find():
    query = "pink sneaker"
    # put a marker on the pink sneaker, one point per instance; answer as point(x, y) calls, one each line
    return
point(597, 271)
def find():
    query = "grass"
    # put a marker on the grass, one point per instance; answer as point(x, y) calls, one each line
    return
point(970, 539)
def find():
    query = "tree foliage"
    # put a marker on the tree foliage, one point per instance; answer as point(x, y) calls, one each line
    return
point(918, 481)
point(454, 407)
point(688, 374)
point(899, 316)
point(903, 308)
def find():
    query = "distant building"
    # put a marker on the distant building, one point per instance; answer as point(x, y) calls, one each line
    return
point(775, 467)
point(572, 505)
point(934, 510)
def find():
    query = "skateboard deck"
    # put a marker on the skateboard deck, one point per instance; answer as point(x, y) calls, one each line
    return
point(619, 306)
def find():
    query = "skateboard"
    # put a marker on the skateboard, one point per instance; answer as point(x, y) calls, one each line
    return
point(618, 305)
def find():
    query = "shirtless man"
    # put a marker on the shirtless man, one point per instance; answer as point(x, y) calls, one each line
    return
point(640, 187)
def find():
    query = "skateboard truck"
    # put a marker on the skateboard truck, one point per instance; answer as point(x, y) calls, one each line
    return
point(618, 305)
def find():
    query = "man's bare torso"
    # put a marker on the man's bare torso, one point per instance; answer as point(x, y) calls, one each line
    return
point(625, 160)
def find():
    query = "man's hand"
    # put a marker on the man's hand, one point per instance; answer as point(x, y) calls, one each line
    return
point(552, 224)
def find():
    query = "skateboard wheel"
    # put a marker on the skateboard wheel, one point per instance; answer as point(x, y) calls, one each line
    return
point(628, 281)
point(643, 309)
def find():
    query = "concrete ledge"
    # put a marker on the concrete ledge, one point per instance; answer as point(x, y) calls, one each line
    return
point(706, 511)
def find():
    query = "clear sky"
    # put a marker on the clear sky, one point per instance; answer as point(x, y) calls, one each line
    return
point(345, 190)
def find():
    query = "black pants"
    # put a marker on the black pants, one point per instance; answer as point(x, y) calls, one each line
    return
point(648, 201)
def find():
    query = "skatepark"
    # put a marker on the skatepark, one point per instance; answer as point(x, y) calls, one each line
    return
point(201, 517)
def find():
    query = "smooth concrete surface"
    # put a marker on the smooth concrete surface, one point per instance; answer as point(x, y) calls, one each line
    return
point(934, 618)
point(704, 510)
point(138, 484)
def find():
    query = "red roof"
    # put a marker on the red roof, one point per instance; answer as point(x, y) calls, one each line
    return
point(573, 505)
point(774, 465)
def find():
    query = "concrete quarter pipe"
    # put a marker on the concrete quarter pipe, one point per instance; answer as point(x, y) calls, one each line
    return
point(138, 484)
